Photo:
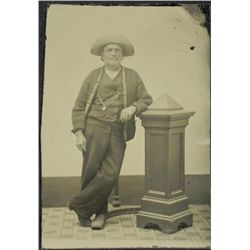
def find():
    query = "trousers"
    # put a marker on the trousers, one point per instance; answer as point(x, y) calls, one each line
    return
point(101, 167)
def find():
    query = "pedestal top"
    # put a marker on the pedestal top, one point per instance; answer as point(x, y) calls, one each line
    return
point(166, 106)
point(165, 102)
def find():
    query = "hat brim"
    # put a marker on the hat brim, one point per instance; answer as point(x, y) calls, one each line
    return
point(127, 46)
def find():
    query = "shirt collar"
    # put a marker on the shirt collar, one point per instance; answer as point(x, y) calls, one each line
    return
point(112, 74)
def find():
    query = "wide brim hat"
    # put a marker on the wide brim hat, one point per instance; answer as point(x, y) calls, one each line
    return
point(101, 42)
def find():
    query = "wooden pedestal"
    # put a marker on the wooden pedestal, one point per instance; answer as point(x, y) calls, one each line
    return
point(166, 214)
point(165, 203)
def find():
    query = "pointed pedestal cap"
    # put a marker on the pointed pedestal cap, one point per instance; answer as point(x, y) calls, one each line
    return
point(165, 102)
point(166, 107)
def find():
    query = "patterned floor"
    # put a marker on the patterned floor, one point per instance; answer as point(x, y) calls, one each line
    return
point(60, 229)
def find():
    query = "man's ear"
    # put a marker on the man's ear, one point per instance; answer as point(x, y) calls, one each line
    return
point(101, 57)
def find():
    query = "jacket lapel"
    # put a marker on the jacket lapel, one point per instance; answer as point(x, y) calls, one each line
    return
point(93, 92)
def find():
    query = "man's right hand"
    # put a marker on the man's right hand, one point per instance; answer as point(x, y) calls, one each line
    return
point(80, 140)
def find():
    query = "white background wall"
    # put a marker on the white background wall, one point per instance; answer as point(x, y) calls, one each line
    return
point(162, 37)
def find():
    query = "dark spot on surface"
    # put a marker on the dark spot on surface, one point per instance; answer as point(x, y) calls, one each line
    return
point(192, 47)
point(174, 27)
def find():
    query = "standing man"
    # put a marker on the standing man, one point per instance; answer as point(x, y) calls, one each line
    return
point(103, 120)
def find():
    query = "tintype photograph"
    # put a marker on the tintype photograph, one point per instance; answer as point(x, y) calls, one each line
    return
point(124, 124)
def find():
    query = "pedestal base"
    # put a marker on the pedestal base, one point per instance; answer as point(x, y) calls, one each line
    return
point(167, 224)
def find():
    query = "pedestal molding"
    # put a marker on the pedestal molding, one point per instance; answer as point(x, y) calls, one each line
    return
point(164, 200)
point(175, 114)
point(168, 218)
point(156, 192)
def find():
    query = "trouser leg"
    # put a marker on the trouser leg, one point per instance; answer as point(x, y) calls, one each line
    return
point(103, 163)
point(98, 141)
point(112, 163)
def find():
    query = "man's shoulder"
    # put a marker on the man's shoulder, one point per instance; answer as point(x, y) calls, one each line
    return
point(91, 77)
point(94, 72)
point(130, 71)
point(132, 74)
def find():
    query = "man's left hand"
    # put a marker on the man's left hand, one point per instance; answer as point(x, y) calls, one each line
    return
point(127, 113)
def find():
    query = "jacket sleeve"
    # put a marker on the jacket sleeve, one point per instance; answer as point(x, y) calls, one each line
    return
point(78, 111)
point(143, 99)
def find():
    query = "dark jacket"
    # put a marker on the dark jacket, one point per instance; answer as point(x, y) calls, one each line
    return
point(135, 94)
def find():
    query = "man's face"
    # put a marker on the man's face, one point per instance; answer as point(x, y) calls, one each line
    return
point(112, 54)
